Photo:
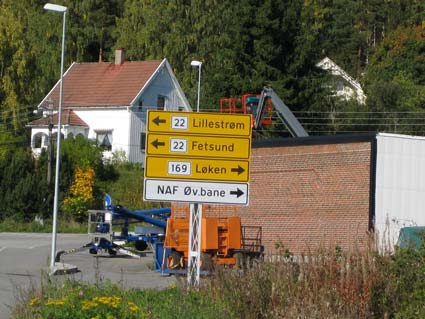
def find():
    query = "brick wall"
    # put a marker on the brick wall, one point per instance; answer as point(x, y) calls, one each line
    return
point(308, 195)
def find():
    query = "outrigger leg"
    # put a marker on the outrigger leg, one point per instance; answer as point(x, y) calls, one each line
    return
point(71, 251)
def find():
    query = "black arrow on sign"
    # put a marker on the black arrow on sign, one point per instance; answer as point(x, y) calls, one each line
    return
point(157, 143)
point(238, 193)
point(158, 121)
point(238, 170)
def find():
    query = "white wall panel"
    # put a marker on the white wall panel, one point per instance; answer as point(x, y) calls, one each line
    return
point(400, 185)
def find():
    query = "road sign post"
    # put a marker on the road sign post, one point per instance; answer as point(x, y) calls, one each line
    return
point(203, 157)
point(197, 158)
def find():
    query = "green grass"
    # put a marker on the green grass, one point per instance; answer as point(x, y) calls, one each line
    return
point(127, 190)
point(71, 299)
point(64, 226)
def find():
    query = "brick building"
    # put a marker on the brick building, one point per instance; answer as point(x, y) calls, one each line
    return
point(308, 191)
point(333, 190)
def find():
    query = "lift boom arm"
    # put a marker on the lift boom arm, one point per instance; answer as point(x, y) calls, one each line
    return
point(144, 215)
point(284, 113)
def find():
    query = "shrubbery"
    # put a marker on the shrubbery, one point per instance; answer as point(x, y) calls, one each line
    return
point(400, 285)
point(25, 192)
point(325, 284)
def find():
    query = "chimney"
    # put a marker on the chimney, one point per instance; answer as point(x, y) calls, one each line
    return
point(119, 56)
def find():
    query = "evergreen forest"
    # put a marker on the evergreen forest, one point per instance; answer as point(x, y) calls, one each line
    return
point(244, 45)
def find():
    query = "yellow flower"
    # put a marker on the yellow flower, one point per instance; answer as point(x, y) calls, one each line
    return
point(134, 308)
point(34, 301)
point(111, 301)
point(87, 304)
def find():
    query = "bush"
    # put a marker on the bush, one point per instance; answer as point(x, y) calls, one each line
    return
point(399, 291)
point(318, 285)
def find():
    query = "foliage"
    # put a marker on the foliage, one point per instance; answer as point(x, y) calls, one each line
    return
point(127, 189)
point(91, 25)
point(328, 283)
point(78, 300)
point(80, 155)
point(400, 53)
point(10, 141)
point(321, 284)
point(82, 152)
point(400, 287)
point(19, 177)
point(81, 197)
point(24, 192)
point(17, 62)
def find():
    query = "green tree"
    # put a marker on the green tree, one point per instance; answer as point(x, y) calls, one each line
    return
point(395, 81)
point(17, 21)
point(91, 28)
point(19, 178)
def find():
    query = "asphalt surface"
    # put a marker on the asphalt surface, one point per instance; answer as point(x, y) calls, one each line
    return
point(24, 260)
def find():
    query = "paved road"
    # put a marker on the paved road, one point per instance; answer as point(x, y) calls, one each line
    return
point(24, 259)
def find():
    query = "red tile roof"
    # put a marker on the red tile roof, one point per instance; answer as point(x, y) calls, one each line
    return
point(103, 84)
point(68, 118)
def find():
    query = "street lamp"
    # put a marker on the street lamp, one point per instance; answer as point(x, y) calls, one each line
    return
point(60, 9)
point(199, 65)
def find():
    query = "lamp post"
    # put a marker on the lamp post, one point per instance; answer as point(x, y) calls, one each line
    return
point(195, 226)
point(59, 9)
point(199, 65)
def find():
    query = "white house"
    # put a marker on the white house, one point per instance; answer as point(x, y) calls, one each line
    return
point(108, 102)
point(345, 86)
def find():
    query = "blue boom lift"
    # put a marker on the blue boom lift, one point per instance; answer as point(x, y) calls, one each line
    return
point(103, 223)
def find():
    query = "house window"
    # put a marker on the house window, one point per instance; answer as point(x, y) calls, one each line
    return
point(140, 106)
point(104, 139)
point(142, 141)
point(181, 108)
point(160, 103)
point(38, 140)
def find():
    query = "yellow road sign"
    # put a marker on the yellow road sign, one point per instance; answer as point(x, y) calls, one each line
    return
point(200, 123)
point(198, 146)
point(202, 169)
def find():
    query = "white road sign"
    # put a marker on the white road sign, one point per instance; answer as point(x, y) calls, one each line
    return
point(196, 191)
